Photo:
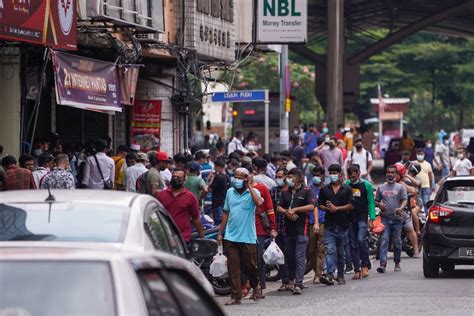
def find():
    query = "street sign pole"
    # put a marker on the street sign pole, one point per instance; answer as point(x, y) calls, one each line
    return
point(267, 122)
point(284, 115)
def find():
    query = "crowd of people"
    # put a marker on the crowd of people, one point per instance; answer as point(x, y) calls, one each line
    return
point(316, 198)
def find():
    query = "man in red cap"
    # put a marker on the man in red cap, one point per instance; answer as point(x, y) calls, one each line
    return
point(154, 182)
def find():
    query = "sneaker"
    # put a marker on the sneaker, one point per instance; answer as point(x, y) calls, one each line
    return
point(297, 290)
point(397, 267)
point(326, 279)
point(381, 269)
point(349, 268)
point(341, 280)
point(356, 276)
point(364, 273)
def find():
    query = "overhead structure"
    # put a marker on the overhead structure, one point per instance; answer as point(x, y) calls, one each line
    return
point(336, 22)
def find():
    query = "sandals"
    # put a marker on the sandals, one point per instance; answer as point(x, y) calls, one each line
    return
point(233, 302)
point(284, 288)
point(257, 294)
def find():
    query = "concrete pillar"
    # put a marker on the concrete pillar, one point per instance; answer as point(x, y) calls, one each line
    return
point(335, 64)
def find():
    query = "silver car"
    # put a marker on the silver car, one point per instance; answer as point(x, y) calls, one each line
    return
point(67, 281)
point(95, 219)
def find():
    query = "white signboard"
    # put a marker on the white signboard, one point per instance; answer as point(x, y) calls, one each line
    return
point(282, 21)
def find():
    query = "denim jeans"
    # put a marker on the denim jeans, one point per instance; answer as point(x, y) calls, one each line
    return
point(335, 240)
point(295, 256)
point(393, 228)
point(280, 241)
point(217, 215)
point(359, 245)
point(444, 171)
point(425, 196)
point(348, 252)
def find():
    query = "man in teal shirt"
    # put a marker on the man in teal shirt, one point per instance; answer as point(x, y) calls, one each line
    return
point(364, 207)
point(240, 240)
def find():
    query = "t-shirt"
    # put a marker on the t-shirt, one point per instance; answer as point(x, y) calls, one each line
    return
point(391, 195)
point(241, 223)
point(442, 151)
point(463, 167)
point(330, 157)
point(424, 174)
point(364, 204)
point(267, 207)
point(195, 184)
point(321, 213)
point(361, 158)
point(342, 197)
point(153, 177)
point(292, 199)
point(165, 176)
point(219, 187)
point(266, 180)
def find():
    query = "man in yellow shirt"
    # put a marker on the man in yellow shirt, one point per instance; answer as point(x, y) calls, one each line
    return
point(425, 175)
point(120, 167)
point(407, 143)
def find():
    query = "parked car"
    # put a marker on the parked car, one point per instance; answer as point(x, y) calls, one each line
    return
point(393, 153)
point(448, 238)
point(66, 281)
point(93, 219)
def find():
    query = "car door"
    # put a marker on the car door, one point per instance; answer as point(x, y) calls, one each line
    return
point(177, 245)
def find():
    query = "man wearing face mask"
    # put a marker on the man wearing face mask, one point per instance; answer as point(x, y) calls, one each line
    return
point(232, 165)
point(392, 199)
point(296, 203)
point(442, 152)
point(364, 206)
point(240, 240)
point(429, 153)
point(462, 166)
point(425, 175)
point(329, 156)
point(362, 158)
point(236, 143)
point(182, 205)
point(337, 200)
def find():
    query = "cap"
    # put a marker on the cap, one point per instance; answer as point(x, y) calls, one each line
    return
point(243, 170)
point(135, 147)
point(162, 156)
point(194, 166)
point(142, 156)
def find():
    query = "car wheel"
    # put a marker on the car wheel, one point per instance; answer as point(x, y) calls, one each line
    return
point(272, 273)
point(447, 267)
point(430, 268)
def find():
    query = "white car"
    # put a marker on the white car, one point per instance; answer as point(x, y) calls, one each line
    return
point(94, 219)
point(69, 281)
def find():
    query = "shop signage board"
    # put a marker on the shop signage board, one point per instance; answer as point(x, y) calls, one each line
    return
point(86, 83)
point(48, 22)
point(146, 124)
point(282, 21)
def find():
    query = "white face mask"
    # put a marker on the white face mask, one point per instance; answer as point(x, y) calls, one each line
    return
point(420, 157)
point(461, 156)
point(429, 145)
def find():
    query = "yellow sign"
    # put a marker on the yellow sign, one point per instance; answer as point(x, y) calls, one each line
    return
point(288, 105)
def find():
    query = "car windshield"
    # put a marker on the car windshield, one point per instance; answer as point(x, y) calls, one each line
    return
point(457, 193)
point(56, 288)
point(63, 221)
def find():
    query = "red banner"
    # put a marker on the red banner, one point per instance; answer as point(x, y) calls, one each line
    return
point(146, 124)
point(48, 22)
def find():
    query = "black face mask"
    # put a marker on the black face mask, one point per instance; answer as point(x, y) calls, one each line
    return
point(359, 147)
point(391, 178)
point(176, 184)
point(332, 146)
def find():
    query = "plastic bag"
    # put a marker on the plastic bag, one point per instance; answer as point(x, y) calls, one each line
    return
point(378, 225)
point(218, 268)
point(273, 255)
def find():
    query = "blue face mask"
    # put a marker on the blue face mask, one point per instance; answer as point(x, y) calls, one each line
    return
point(238, 183)
point(280, 182)
point(317, 180)
point(333, 178)
point(230, 172)
point(290, 183)
point(325, 130)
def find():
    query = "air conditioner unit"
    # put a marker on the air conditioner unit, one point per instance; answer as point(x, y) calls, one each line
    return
point(143, 15)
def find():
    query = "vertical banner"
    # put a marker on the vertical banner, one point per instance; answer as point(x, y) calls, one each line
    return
point(146, 124)
point(128, 77)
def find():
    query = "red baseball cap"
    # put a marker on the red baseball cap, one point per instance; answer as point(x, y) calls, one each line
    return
point(162, 156)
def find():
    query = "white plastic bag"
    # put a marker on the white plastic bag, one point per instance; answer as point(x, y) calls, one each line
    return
point(218, 268)
point(273, 255)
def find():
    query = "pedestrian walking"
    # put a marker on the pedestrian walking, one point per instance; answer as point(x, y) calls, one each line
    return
point(296, 203)
point(236, 143)
point(154, 181)
point(219, 184)
point(134, 171)
point(59, 177)
point(462, 166)
point(99, 169)
point(330, 155)
point(261, 176)
point(120, 167)
point(337, 200)
point(194, 182)
point(426, 176)
point(361, 157)
point(240, 240)
point(442, 152)
point(392, 199)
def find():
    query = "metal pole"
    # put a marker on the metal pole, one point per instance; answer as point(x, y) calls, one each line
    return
point(284, 115)
point(267, 122)
point(335, 73)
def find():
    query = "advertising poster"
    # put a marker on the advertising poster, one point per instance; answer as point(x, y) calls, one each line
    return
point(146, 124)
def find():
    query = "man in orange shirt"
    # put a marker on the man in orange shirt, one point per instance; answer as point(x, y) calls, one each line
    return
point(407, 143)
point(16, 178)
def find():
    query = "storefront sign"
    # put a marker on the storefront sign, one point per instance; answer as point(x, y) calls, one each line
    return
point(211, 30)
point(86, 83)
point(146, 124)
point(282, 21)
point(48, 22)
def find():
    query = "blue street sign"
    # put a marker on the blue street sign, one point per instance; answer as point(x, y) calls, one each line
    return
point(239, 96)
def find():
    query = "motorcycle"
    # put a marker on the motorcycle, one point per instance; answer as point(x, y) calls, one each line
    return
point(203, 259)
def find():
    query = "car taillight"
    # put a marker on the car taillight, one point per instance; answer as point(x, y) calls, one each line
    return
point(439, 212)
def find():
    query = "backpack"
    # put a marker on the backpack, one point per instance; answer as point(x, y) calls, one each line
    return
point(141, 186)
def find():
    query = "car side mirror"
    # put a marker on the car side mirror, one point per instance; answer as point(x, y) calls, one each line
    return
point(429, 204)
point(203, 248)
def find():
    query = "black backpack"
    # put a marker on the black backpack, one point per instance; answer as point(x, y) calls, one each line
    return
point(141, 186)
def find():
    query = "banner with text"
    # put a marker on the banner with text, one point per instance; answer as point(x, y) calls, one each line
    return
point(146, 124)
point(86, 83)
point(282, 21)
point(48, 22)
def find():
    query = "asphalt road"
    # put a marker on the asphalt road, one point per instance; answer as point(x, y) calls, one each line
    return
point(394, 293)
